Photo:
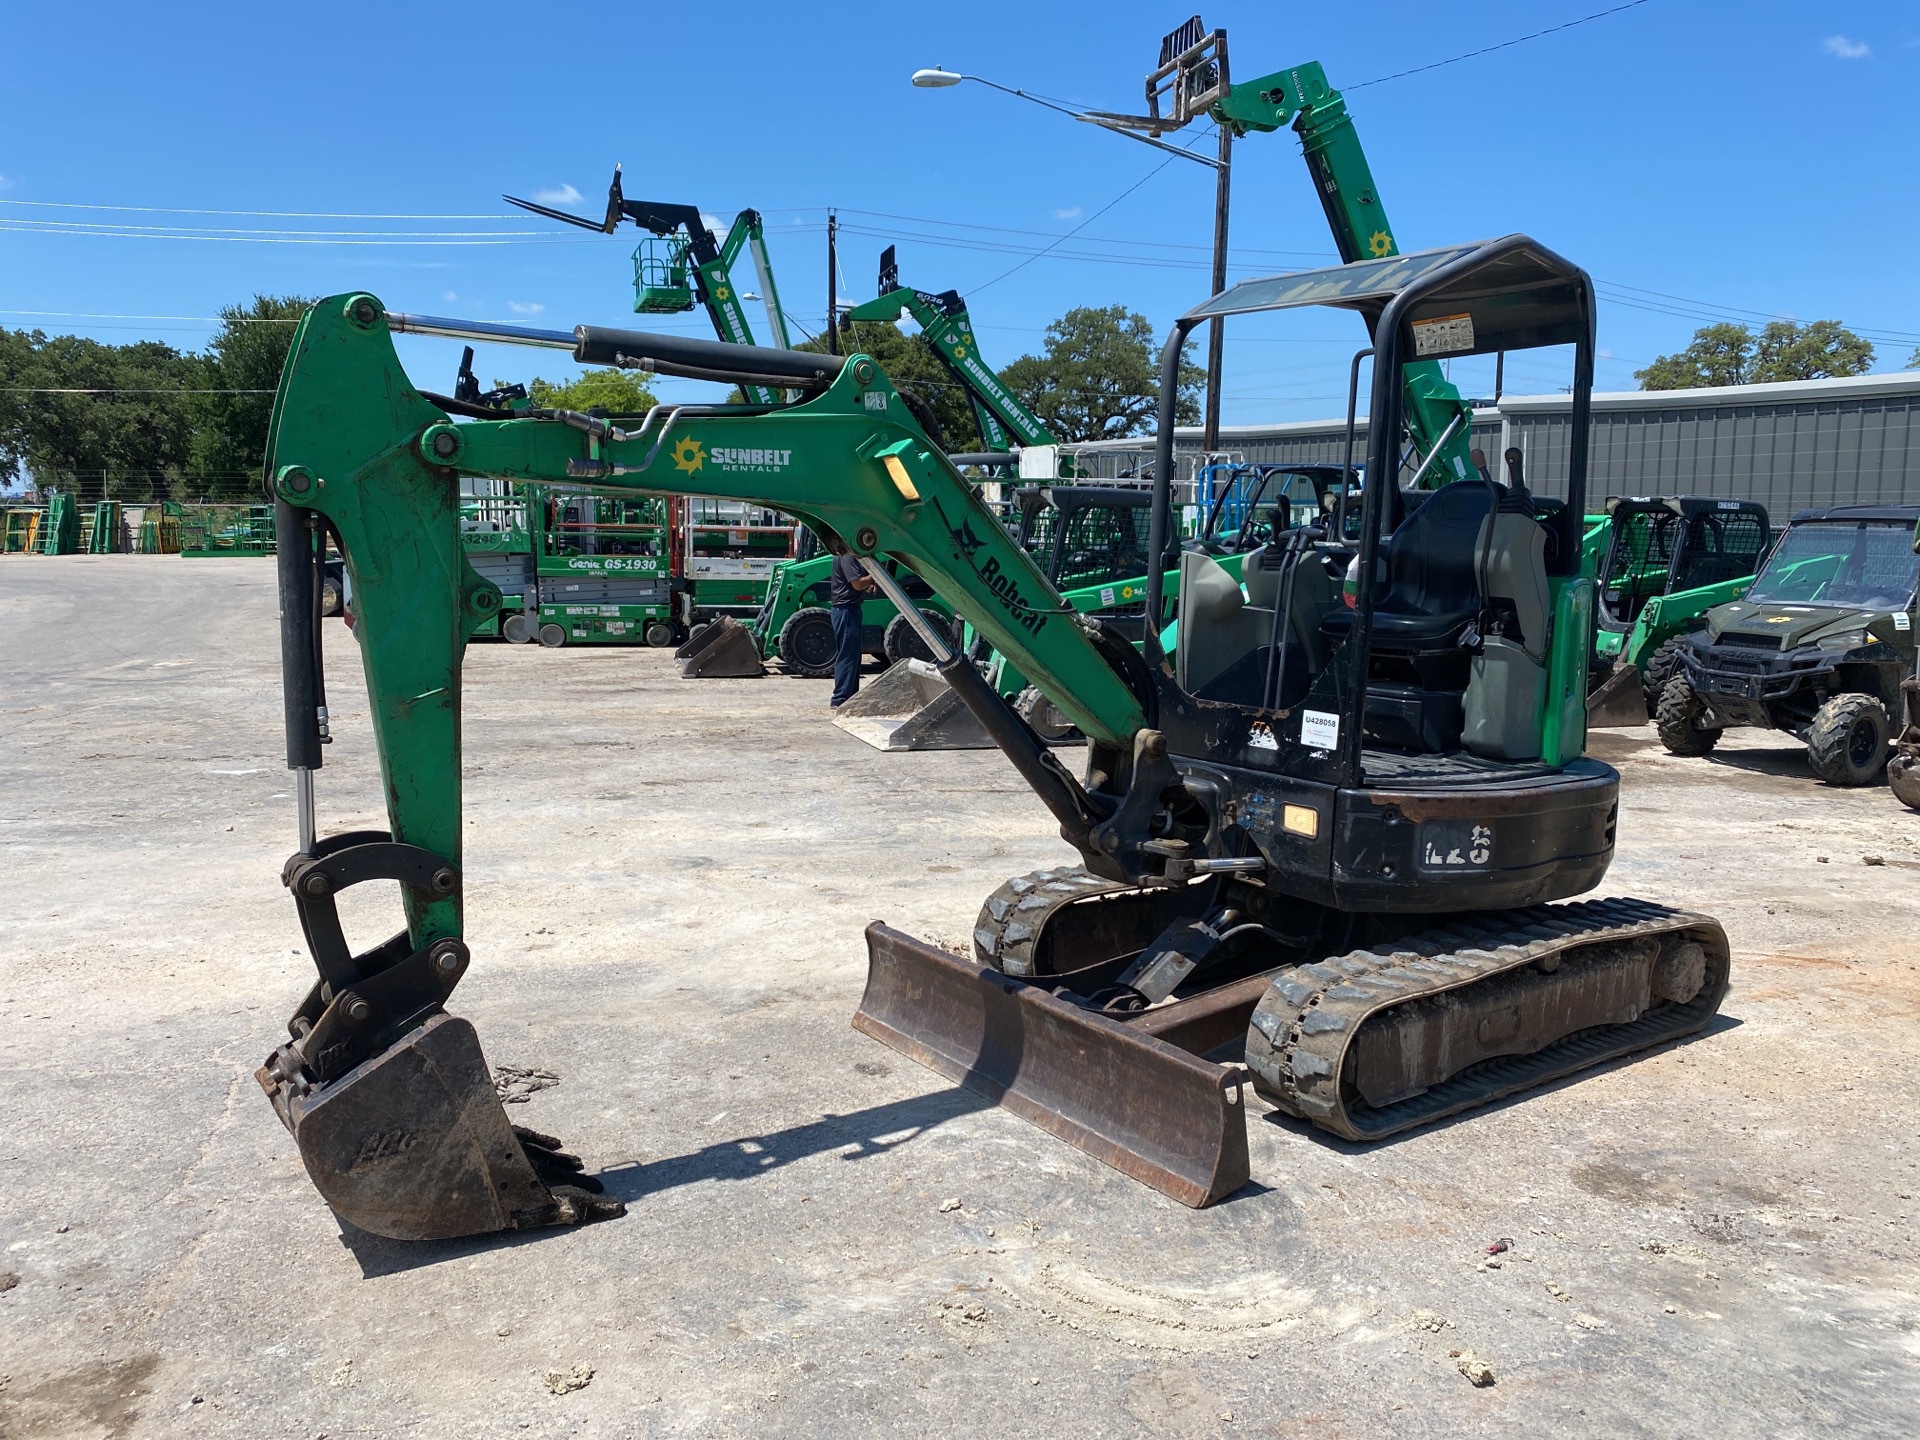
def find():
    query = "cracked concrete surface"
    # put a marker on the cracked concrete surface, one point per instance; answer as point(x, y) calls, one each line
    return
point(667, 882)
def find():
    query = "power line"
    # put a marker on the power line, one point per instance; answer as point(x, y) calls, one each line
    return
point(104, 315)
point(259, 214)
point(1503, 45)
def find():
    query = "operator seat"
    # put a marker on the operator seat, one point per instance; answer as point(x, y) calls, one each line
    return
point(1432, 590)
point(1463, 576)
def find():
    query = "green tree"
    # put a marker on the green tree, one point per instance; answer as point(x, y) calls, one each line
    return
point(101, 420)
point(915, 370)
point(1913, 360)
point(1727, 354)
point(1099, 378)
point(618, 392)
point(243, 365)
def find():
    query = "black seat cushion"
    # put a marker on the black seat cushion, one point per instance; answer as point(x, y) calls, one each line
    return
point(1432, 590)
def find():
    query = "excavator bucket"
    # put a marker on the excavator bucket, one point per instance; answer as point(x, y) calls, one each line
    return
point(722, 650)
point(413, 1144)
point(1136, 1100)
point(911, 708)
point(1620, 702)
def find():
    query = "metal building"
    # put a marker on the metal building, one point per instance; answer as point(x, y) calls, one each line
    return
point(1807, 442)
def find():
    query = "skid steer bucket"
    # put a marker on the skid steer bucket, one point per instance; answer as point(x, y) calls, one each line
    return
point(1621, 701)
point(1126, 1096)
point(911, 708)
point(412, 1143)
point(723, 650)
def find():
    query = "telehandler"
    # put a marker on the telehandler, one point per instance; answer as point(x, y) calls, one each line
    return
point(1328, 825)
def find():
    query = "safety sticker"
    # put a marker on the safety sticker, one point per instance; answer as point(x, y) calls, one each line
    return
point(1446, 335)
point(1903, 621)
point(1319, 730)
point(1107, 596)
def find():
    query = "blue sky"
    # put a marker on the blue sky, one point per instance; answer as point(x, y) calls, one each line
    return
point(1719, 158)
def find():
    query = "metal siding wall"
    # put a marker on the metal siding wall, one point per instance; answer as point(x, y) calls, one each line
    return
point(1786, 453)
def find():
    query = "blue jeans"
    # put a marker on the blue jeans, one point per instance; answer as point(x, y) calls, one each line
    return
point(846, 652)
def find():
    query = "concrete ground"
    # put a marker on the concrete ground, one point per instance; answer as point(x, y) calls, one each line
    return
point(667, 882)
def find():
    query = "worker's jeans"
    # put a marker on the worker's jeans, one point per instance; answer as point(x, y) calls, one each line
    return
point(846, 652)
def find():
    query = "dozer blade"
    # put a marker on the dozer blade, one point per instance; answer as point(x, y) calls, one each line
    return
point(413, 1145)
point(723, 650)
point(1152, 1111)
point(911, 708)
point(1620, 702)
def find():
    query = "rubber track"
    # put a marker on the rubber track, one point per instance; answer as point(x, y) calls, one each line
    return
point(1013, 916)
point(1302, 1031)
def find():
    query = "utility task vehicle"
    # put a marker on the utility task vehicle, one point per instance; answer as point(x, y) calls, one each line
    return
point(1667, 562)
point(1818, 647)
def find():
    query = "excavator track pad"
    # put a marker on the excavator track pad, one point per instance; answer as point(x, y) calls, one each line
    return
point(413, 1144)
point(1377, 1041)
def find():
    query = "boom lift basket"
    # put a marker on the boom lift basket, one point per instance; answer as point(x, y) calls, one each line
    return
point(660, 278)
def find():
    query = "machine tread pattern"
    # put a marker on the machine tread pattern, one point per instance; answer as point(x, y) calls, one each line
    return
point(1014, 916)
point(1301, 1039)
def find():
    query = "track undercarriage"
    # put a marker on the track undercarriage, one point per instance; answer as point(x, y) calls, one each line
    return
point(1363, 1026)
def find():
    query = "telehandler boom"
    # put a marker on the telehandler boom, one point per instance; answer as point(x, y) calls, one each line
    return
point(1330, 828)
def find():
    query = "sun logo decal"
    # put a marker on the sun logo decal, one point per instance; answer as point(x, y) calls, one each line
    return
point(1381, 244)
point(722, 293)
point(688, 456)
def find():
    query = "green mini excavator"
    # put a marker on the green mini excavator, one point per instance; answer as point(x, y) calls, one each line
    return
point(1327, 832)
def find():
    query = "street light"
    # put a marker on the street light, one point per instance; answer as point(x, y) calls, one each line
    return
point(938, 78)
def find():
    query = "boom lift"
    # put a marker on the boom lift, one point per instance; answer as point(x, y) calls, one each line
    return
point(947, 330)
point(692, 267)
point(1333, 829)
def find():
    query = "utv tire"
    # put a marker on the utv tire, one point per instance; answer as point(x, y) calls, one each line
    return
point(903, 642)
point(1044, 718)
point(1678, 720)
point(1660, 668)
point(806, 643)
point(1847, 741)
point(553, 636)
point(1903, 776)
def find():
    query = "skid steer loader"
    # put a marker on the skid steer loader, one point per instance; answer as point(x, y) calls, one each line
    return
point(1325, 833)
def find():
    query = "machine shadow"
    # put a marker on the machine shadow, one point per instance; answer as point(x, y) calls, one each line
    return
point(859, 1136)
point(1481, 1114)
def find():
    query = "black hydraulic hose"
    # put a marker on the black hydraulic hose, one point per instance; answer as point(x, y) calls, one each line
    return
point(299, 665)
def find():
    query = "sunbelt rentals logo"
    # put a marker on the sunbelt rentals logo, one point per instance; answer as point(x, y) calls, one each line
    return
point(690, 457)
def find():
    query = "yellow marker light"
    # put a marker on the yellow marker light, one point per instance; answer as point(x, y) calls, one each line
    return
point(1300, 820)
point(902, 481)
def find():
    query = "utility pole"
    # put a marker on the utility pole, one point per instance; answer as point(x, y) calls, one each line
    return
point(833, 297)
point(1217, 328)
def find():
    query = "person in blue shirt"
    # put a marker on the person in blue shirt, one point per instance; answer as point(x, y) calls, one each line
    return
point(848, 588)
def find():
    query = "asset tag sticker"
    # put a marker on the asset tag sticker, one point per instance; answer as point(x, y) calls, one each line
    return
point(1446, 335)
point(1106, 595)
point(1903, 621)
point(1319, 730)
